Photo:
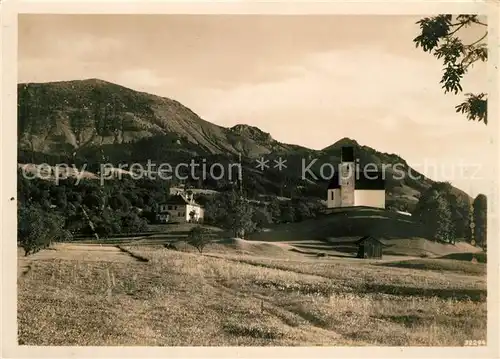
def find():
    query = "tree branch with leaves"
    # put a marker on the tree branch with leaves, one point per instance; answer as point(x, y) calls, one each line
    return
point(440, 37)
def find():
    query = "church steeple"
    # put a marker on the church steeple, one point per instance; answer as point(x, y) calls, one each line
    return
point(347, 176)
point(347, 154)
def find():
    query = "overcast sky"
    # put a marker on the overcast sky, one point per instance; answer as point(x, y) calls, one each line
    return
point(308, 80)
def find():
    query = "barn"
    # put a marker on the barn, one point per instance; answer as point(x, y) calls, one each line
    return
point(369, 247)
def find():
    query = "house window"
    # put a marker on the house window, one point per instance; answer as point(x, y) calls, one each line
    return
point(169, 207)
point(332, 197)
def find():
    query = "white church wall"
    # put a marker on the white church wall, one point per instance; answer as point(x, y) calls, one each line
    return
point(370, 198)
point(334, 198)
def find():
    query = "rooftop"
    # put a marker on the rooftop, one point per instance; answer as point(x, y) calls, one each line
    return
point(181, 199)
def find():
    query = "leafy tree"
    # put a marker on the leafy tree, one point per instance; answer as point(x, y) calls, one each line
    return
point(442, 225)
point(132, 223)
point(287, 212)
point(261, 217)
point(31, 230)
point(274, 209)
point(231, 211)
point(459, 207)
point(56, 228)
point(37, 228)
point(93, 200)
point(199, 237)
point(480, 214)
point(59, 198)
point(460, 215)
point(440, 36)
point(302, 211)
point(105, 223)
point(77, 223)
point(240, 213)
point(433, 211)
point(119, 202)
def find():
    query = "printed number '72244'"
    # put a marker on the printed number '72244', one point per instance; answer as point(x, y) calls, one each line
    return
point(474, 343)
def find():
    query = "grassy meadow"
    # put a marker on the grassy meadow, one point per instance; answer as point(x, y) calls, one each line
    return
point(245, 293)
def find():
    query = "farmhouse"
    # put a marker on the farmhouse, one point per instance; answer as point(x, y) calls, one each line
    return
point(350, 187)
point(180, 208)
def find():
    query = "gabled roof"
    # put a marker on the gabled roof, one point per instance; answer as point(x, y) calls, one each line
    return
point(176, 200)
point(370, 238)
point(179, 199)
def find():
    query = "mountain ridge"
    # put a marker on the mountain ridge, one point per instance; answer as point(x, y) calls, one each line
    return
point(130, 114)
point(90, 117)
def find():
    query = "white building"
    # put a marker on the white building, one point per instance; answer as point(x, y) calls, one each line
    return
point(180, 208)
point(350, 188)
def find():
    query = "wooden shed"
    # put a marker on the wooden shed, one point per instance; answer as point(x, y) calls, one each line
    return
point(369, 247)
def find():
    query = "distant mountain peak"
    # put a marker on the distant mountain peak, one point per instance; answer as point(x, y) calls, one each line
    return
point(345, 141)
point(252, 132)
point(96, 81)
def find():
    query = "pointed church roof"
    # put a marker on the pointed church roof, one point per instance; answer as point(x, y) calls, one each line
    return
point(347, 154)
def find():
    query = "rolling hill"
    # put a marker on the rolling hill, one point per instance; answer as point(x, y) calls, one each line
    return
point(90, 121)
point(337, 232)
point(73, 115)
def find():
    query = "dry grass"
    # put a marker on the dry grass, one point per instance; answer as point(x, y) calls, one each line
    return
point(442, 265)
point(467, 256)
point(238, 297)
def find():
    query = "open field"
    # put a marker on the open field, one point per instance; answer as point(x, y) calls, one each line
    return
point(328, 234)
point(244, 293)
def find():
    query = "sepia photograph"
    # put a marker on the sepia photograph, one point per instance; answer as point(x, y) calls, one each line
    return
point(253, 180)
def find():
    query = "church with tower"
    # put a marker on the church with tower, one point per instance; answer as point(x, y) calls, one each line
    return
point(352, 187)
